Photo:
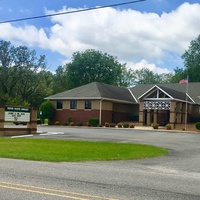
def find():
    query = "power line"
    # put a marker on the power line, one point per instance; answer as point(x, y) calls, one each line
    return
point(69, 12)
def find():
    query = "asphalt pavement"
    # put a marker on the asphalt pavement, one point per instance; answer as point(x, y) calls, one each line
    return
point(174, 176)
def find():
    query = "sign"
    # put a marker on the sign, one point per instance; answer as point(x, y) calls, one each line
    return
point(17, 114)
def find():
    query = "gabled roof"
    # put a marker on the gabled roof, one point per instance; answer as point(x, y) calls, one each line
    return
point(175, 90)
point(176, 94)
point(149, 92)
point(96, 90)
point(139, 90)
point(172, 94)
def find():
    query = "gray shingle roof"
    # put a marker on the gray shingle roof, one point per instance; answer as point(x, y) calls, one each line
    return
point(176, 90)
point(193, 89)
point(95, 90)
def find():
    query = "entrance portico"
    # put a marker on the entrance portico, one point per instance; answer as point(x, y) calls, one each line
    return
point(158, 106)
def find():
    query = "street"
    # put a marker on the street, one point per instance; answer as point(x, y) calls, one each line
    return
point(174, 176)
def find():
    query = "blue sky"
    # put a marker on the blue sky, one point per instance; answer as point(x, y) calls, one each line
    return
point(152, 33)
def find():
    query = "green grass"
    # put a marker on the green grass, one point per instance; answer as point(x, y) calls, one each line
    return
point(73, 151)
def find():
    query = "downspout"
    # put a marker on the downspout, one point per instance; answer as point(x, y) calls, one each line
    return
point(100, 111)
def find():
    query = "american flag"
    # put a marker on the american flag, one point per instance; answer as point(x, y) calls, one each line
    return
point(185, 80)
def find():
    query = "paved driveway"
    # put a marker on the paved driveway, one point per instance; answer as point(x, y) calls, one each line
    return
point(175, 176)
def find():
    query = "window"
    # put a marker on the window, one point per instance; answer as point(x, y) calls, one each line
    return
point(73, 104)
point(88, 104)
point(59, 105)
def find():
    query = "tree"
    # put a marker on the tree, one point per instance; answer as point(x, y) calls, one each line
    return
point(127, 77)
point(144, 76)
point(60, 80)
point(192, 61)
point(90, 66)
point(46, 111)
point(21, 75)
point(180, 73)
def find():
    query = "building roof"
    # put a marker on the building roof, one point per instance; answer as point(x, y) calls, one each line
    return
point(97, 90)
point(175, 90)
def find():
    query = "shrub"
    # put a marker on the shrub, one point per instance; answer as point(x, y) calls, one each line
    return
point(106, 124)
point(197, 125)
point(46, 121)
point(155, 126)
point(119, 125)
point(93, 121)
point(132, 126)
point(125, 125)
point(69, 119)
point(57, 123)
point(46, 111)
point(71, 123)
point(79, 124)
point(112, 125)
point(168, 127)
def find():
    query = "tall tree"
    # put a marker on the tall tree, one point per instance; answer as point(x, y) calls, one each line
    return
point(20, 74)
point(192, 60)
point(179, 74)
point(127, 77)
point(144, 76)
point(60, 79)
point(90, 66)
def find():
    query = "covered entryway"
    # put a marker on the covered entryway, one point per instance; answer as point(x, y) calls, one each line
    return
point(156, 112)
point(155, 107)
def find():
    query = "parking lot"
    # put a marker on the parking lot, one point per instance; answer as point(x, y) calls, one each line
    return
point(175, 176)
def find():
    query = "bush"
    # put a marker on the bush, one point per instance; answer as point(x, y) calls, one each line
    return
point(125, 125)
point(46, 121)
point(119, 125)
point(71, 124)
point(79, 124)
point(112, 125)
point(93, 122)
point(168, 127)
point(197, 125)
point(100, 125)
point(69, 119)
point(46, 111)
point(106, 124)
point(57, 123)
point(155, 126)
point(132, 126)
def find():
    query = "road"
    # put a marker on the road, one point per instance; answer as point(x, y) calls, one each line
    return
point(175, 176)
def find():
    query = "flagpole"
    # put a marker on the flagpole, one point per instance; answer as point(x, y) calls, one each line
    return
point(186, 104)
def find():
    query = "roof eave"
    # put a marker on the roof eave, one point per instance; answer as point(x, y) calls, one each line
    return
point(91, 98)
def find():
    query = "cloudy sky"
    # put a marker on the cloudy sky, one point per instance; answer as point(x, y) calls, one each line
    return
point(151, 33)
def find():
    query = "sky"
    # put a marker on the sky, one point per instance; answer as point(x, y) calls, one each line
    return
point(151, 34)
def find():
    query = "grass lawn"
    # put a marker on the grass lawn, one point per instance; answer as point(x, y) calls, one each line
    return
point(73, 151)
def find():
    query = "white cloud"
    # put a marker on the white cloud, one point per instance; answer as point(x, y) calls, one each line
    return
point(29, 35)
point(146, 39)
point(151, 66)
